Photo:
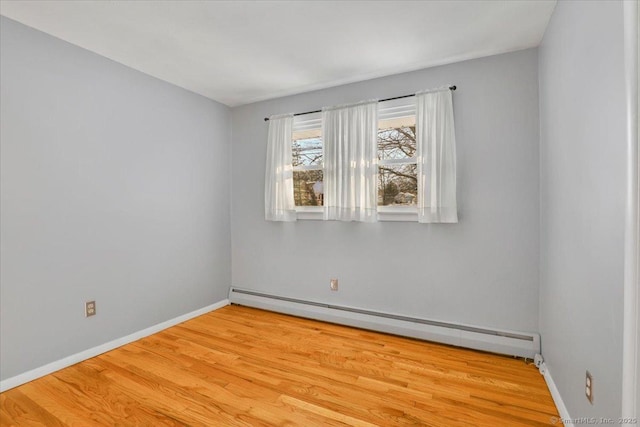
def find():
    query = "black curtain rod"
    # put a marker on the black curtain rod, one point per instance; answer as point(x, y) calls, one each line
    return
point(266, 119)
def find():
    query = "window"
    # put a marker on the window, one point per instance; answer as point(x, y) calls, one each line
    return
point(397, 164)
point(306, 150)
point(374, 168)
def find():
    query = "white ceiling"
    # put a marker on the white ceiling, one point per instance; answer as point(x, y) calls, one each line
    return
point(238, 52)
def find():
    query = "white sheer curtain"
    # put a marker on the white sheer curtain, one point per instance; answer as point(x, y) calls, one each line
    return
point(350, 162)
point(278, 189)
point(436, 151)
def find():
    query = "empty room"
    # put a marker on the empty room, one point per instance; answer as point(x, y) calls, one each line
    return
point(318, 213)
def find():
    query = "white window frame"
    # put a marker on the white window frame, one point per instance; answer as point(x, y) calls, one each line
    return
point(311, 121)
point(396, 108)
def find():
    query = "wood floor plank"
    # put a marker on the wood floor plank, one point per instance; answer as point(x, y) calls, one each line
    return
point(239, 366)
point(19, 410)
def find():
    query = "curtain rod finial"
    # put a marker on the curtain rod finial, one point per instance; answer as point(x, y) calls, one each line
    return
point(453, 87)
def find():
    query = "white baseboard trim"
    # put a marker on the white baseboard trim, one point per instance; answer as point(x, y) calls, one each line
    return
point(555, 394)
point(49, 368)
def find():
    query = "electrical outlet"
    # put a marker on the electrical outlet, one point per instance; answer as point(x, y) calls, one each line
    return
point(89, 308)
point(334, 284)
point(588, 387)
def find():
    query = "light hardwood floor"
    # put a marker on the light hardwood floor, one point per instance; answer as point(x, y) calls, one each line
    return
point(242, 366)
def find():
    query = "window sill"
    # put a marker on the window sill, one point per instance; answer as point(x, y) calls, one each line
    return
point(312, 213)
point(385, 213)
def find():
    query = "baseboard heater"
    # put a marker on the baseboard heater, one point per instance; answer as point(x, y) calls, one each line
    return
point(523, 344)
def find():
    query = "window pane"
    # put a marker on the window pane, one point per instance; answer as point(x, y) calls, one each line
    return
point(397, 185)
point(397, 138)
point(307, 148)
point(308, 188)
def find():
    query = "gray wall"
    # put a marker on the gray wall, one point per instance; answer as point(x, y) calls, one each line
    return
point(582, 185)
point(115, 187)
point(482, 271)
